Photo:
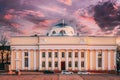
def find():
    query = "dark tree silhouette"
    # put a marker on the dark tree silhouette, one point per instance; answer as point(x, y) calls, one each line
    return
point(3, 42)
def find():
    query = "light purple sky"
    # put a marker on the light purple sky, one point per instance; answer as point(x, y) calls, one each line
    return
point(88, 17)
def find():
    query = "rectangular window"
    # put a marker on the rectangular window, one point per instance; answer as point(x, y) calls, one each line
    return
point(82, 63)
point(63, 54)
point(43, 54)
point(50, 54)
point(76, 54)
point(26, 62)
point(56, 64)
point(56, 54)
point(70, 54)
point(69, 64)
point(99, 62)
point(43, 64)
point(82, 54)
point(26, 54)
point(50, 64)
point(76, 64)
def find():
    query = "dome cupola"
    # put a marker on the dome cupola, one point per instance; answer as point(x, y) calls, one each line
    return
point(61, 29)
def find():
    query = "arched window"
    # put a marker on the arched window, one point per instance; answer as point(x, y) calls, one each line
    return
point(62, 32)
point(53, 32)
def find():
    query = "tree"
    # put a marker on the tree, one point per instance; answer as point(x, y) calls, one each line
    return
point(3, 42)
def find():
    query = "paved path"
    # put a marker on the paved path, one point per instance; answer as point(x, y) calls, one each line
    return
point(59, 77)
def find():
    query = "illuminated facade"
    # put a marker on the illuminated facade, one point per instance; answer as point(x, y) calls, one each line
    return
point(62, 49)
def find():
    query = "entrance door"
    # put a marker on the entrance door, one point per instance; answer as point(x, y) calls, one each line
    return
point(63, 65)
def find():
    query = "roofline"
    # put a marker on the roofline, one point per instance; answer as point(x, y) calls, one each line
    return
point(63, 36)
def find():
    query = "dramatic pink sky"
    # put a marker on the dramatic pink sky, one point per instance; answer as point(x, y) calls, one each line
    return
point(88, 17)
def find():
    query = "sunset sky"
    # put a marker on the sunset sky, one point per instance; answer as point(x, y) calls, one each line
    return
point(88, 17)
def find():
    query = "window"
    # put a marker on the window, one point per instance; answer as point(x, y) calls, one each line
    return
point(50, 54)
point(56, 54)
point(43, 64)
point(49, 64)
point(62, 32)
point(63, 54)
point(76, 54)
point(43, 54)
point(76, 64)
point(100, 60)
point(26, 59)
point(56, 64)
point(82, 63)
point(53, 32)
point(69, 64)
point(26, 62)
point(70, 54)
point(26, 53)
point(82, 54)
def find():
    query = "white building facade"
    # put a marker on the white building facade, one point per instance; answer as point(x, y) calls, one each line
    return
point(61, 49)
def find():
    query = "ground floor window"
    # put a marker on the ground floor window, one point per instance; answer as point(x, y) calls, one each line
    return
point(26, 62)
point(82, 63)
point(99, 62)
point(56, 64)
point(70, 64)
point(100, 59)
point(43, 64)
point(50, 64)
point(76, 64)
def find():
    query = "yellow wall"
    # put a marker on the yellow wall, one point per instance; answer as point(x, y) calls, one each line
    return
point(63, 40)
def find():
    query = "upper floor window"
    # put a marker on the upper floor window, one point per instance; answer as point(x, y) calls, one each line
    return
point(56, 54)
point(76, 54)
point(26, 53)
point(70, 54)
point(63, 54)
point(82, 54)
point(43, 54)
point(50, 54)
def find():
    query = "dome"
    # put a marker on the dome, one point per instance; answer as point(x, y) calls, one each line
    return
point(61, 29)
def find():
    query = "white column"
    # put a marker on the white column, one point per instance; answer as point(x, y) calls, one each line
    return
point(103, 59)
point(12, 59)
point(79, 60)
point(115, 57)
point(66, 60)
point(96, 59)
point(73, 60)
point(91, 62)
point(53, 65)
point(86, 60)
point(29, 60)
point(23, 62)
point(59, 59)
point(40, 60)
point(46, 60)
point(17, 57)
point(109, 54)
point(34, 59)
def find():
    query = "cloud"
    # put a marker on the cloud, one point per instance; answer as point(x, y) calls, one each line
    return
point(86, 23)
point(66, 2)
point(53, 10)
point(107, 14)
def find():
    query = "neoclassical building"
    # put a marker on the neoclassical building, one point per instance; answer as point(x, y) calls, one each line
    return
point(63, 49)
